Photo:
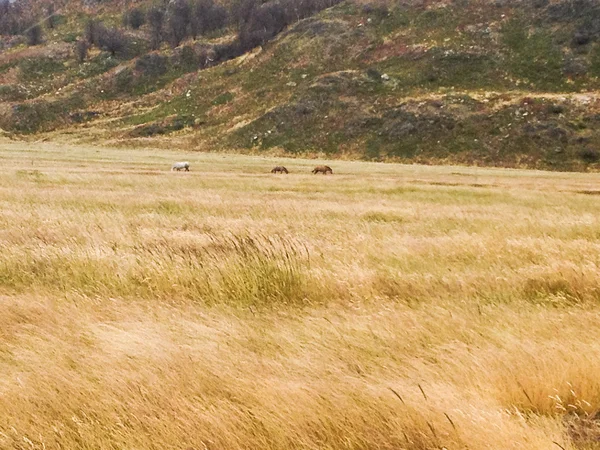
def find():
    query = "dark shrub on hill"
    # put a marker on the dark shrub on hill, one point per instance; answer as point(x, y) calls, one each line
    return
point(156, 20)
point(83, 116)
point(197, 21)
point(81, 50)
point(112, 40)
point(207, 17)
point(270, 17)
point(51, 17)
point(218, 18)
point(585, 13)
point(204, 58)
point(14, 18)
point(591, 26)
point(6, 21)
point(134, 18)
point(152, 65)
point(377, 10)
point(178, 20)
point(265, 22)
point(241, 10)
point(225, 52)
point(34, 35)
point(556, 108)
point(374, 74)
point(580, 39)
point(148, 130)
point(92, 30)
point(589, 155)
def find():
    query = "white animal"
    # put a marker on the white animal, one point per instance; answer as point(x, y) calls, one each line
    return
point(181, 166)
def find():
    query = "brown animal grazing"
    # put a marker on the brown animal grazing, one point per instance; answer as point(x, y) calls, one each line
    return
point(279, 169)
point(323, 169)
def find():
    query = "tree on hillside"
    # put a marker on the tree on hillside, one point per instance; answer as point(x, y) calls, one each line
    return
point(13, 18)
point(50, 16)
point(241, 10)
point(134, 18)
point(112, 40)
point(92, 31)
point(156, 19)
point(81, 49)
point(34, 34)
point(264, 23)
point(178, 20)
point(206, 17)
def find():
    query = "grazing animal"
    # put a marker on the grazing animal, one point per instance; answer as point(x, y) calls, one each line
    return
point(323, 169)
point(279, 169)
point(183, 165)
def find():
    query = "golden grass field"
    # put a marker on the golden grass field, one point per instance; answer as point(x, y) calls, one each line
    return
point(384, 307)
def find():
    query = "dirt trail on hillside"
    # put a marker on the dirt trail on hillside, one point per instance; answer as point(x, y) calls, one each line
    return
point(60, 49)
point(505, 98)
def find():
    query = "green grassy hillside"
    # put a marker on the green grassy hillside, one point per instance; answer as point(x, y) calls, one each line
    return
point(464, 81)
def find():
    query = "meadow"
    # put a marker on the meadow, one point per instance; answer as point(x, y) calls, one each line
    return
point(382, 307)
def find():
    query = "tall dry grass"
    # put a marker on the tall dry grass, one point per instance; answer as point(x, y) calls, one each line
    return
point(383, 307)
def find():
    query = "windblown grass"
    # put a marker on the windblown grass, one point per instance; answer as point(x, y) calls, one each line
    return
point(382, 307)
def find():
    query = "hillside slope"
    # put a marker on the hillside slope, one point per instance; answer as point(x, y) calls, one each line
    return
point(502, 82)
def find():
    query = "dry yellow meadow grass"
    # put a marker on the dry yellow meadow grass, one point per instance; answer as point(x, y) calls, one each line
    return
point(383, 307)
